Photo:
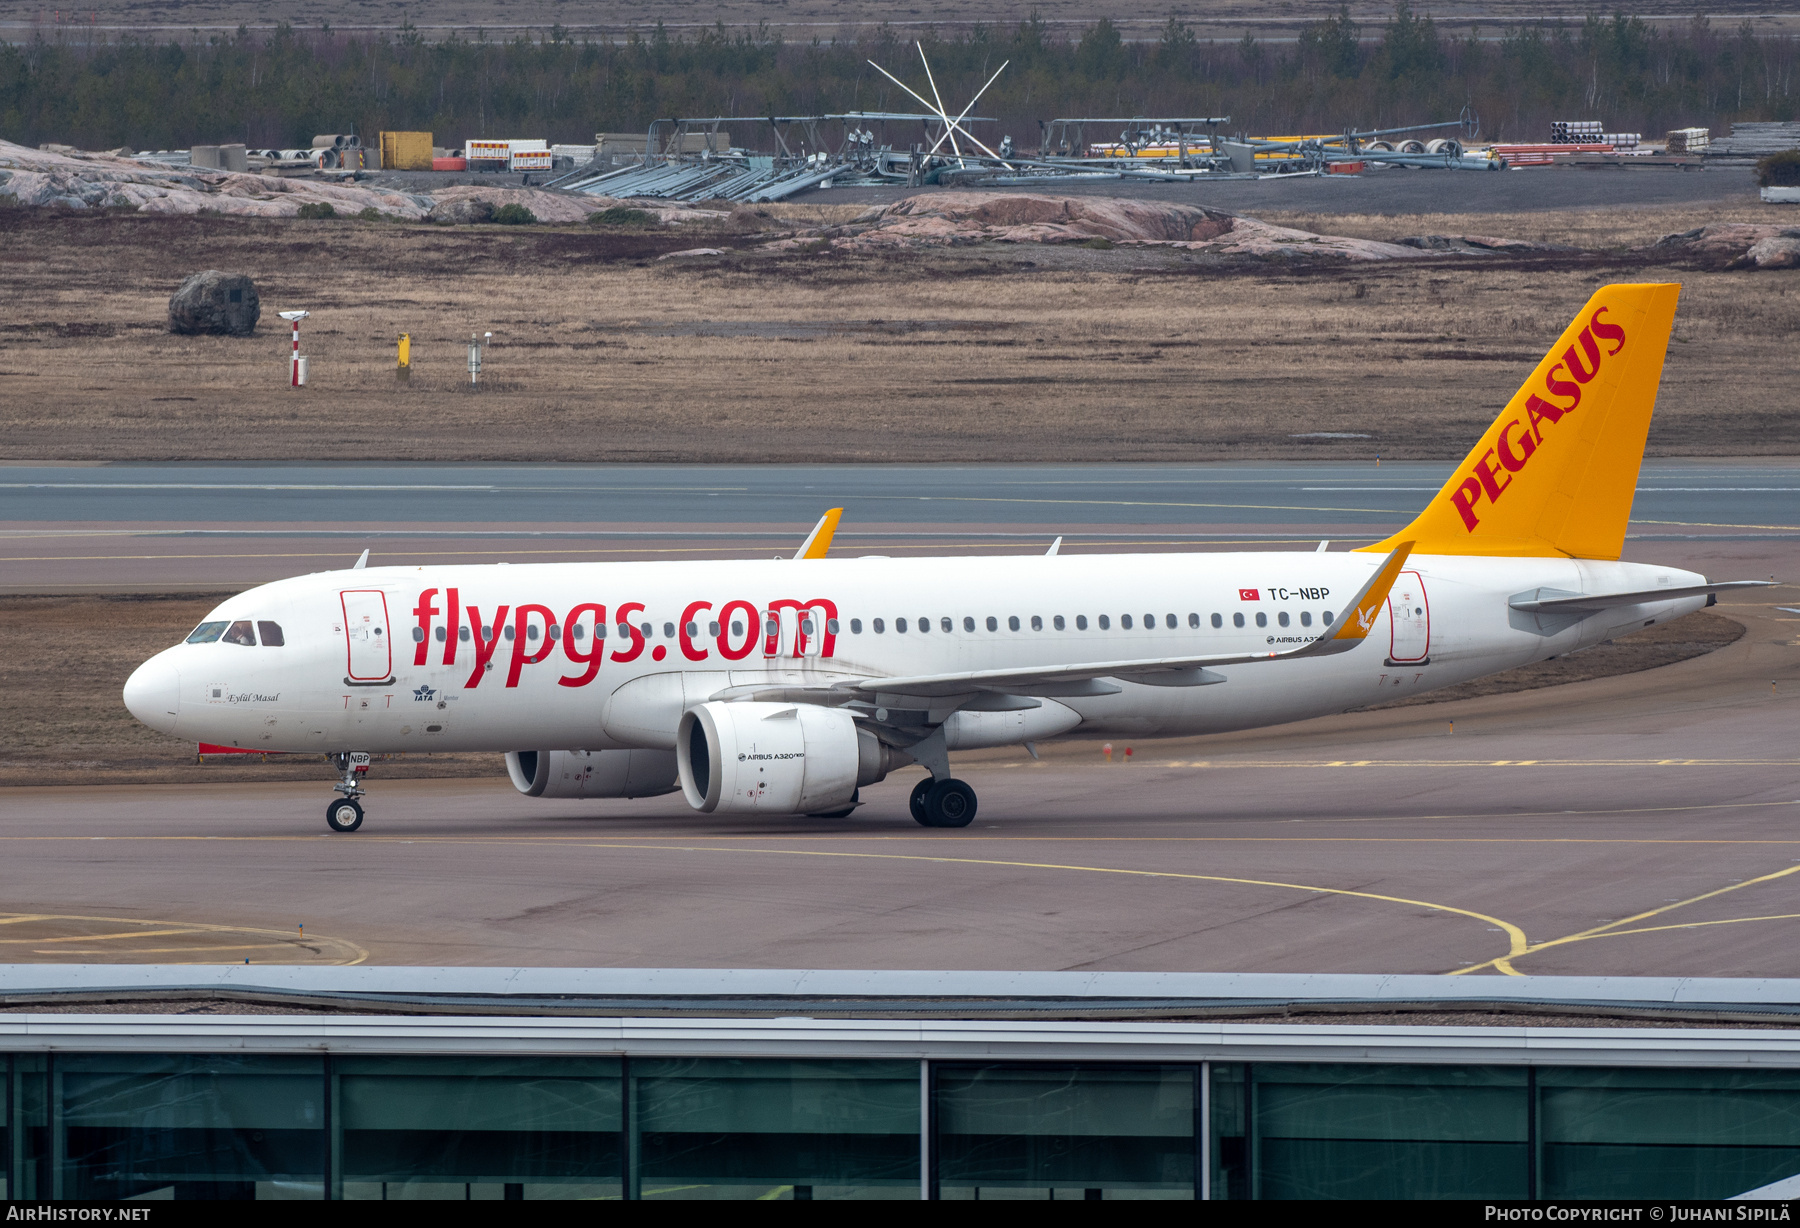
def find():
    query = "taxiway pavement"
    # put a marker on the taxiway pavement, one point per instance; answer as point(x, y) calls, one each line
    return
point(178, 527)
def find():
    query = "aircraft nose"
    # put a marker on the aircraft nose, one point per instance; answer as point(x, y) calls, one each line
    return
point(153, 694)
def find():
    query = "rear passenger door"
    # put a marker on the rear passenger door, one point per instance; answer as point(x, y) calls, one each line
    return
point(366, 633)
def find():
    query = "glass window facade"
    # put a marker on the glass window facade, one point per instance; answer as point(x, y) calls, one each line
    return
point(188, 1127)
point(1064, 1131)
point(155, 1126)
point(719, 1128)
point(477, 1128)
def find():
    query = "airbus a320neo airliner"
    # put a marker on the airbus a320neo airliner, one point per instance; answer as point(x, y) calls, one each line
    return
point(785, 686)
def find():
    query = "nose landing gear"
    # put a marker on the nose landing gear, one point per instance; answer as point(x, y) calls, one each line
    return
point(344, 814)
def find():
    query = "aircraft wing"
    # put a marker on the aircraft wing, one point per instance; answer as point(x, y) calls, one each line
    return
point(1348, 630)
point(1540, 601)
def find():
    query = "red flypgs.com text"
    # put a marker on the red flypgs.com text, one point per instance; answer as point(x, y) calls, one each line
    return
point(1520, 438)
point(584, 635)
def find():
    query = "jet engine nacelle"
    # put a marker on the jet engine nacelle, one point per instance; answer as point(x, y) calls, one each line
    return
point(592, 773)
point(764, 758)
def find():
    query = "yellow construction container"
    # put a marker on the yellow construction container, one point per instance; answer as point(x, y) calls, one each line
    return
point(406, 151)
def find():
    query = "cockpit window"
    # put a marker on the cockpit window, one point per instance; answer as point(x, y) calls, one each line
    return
point(271, 634)
point(239, 633)
point(206, 633)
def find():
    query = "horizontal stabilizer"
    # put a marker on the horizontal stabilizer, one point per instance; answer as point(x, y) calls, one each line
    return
point(1532, 603)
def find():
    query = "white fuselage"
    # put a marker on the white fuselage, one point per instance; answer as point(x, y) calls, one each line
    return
point(374, 660)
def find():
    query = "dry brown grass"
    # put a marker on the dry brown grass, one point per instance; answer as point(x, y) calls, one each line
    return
point(603, 353)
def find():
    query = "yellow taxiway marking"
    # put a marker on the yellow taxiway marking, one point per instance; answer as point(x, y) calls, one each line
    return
point(1612, 928)
point(345, 952)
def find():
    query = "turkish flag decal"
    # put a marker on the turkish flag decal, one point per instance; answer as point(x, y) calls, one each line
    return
point(1248, 594)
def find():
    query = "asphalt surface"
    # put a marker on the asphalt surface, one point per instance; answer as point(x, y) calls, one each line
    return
point(175, 527)
point(1640, 825)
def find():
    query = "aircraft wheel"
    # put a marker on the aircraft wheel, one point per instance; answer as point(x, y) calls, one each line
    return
point(917, 801)
point(846, 812)
point(950, 803)
point(343, 815)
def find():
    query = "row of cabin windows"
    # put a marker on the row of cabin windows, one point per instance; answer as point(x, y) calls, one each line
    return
point(1103, 621)
point(238, 632)
point(879, 626)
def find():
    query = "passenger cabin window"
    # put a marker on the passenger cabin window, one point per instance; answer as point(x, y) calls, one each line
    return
point(440, 635)
point(272, 637)
point(945, 624)
point(1306, 618)
point(1057, 622)
point(206, 633)
point(1037, 622)
point(1105, 623)
point(1012, 623)
point(1327, 617)
point(1282, 618)
point(900, 626)
point(1081, 622)
point(968, 623)
point(418, 635)
point(240, 633)
point(1237, 620)
point(1262, 620)
point(856, 626)
point(1193, 620)
point(880, 626)
point(1124, 622)
point(993, 624)
point(1218, 621)
point(1170, 622)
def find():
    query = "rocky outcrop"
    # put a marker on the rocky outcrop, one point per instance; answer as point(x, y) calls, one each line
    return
point(1735, 245)
point(70, 179)
point(1477, 244)
point(1780, 252)
point(215, 302)
point(461, 211)
point(955, 219)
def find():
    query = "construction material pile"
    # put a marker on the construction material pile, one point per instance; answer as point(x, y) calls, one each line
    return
point(1757, 139)
point(958, 219)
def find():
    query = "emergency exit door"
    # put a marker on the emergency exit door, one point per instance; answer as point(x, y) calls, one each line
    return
point(1409, 614)
point(366, 634)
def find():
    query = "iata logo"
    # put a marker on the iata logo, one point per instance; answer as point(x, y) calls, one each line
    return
point(424, 695)
point(1520, 438)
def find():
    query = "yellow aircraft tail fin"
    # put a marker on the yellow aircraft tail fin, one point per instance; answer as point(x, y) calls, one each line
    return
point(1556, 472)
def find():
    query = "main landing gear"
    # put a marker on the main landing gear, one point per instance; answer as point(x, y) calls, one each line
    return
point(943, 803)
point(344, 814)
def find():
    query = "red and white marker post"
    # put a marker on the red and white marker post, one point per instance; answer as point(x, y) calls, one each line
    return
point(295, 317)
